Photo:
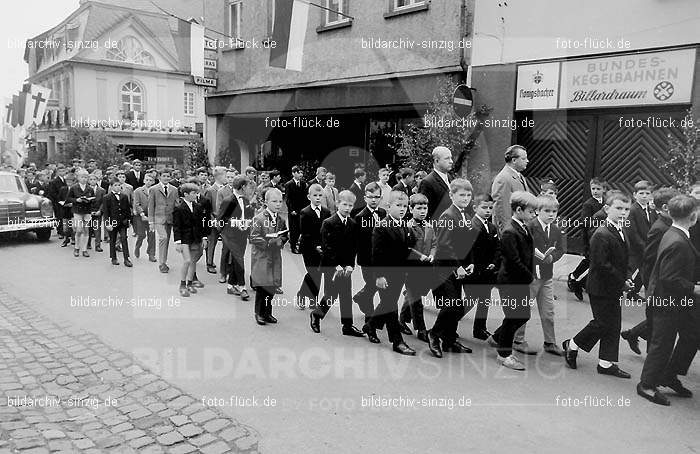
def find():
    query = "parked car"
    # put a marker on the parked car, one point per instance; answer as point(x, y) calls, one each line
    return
point(21, 211)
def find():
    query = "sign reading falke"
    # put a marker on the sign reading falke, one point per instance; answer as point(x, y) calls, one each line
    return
point(537, 87)
point(628, 80)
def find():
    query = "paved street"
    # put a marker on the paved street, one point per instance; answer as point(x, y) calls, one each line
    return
point(283, 387)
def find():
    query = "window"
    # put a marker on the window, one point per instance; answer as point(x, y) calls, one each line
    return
point(234, 19)
point(130, 50)
point(189, 103)
point(332, 17)
point(401, 7)
point(398, 4)
point(131, 100)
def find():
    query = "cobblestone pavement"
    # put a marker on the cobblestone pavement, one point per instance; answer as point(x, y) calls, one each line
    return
point(62, 389)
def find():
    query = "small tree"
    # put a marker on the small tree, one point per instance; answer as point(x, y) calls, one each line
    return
point(86, 145)
point(225, 157)
point(195, 154)
point(416, 142)
point(683, 163)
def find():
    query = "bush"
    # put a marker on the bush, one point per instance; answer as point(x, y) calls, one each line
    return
point(86, 145)
point(683, 163)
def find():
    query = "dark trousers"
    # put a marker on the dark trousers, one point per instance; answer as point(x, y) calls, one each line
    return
point(641, 329)
point(481, 294)
point(95, 231)
point(365, 297)
point(263, 300)
point(387, 311)
point(143, 232)
point(582, 266)
point(341, 289)
point(310, 286)
point(236, 264)
point(121, 232)
point(417, 286)
point(293, 230)
point(605, 327)
point(211, 245)
point(452, 307)
point(516, 312)
point(664, 361)
point(224, 260)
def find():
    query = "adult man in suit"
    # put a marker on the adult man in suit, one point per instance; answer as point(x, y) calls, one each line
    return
point(295, 193)
point(607, 280)
point(508, 180)
point(234, 218)
point(53, 193)
point(357, 188)
point(211, 195)
point(671, 288)
point(116, 210)
point(161, 201)
point(436, 185)
point(310, 219)
point(135, 176)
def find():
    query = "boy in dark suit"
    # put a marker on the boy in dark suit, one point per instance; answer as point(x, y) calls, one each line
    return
point(65, 212)
point(406, 180)
point(81, 196)
point(339, 248)
point(549, 248)
point(391, 246)
point(515, 276)
point(267, 236)
point(53, 193)
point(190, 230)
point(419, 274)
point(311, 218)
point(577, 278)
point(485, 254)
point(116, 211)
point(453, 267)
point(357, 188)
point(366, 220)
point(641, 218)
point(295, 191)
point(96, 224)
point(607, 280)
point(671, 287)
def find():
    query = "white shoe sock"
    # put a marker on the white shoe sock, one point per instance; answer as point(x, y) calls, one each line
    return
point(604, 364)
point(572, 344)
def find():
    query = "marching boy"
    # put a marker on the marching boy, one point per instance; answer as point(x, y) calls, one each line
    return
point(190, 230)
point(311, 218)
point(116, 210)
point(268, 235)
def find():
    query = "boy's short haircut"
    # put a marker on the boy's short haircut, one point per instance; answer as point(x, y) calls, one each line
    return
point(460, 184)
point(522, 200)
point(120, 172)
point(165, 170)
point(663, 195)
point(274, 173)
point(549, 186)
point(347, 196)
point(193, 180)
point(417, 199)
point(295, 169)
point(188, 187)
point(482, 197)
point(397, 195)
point(330, 175)
point(270, 192)
point(114, 181)
point(315, 188)
point(642, 185)
point(359, 173)
point(598, 182)
point(81, 172)
point(250, 169)
point(612, 196)
point(372, 187)
point(239, 182)
point(384, 170)
point(546, 201)
point(681, 207)
point(406, 172)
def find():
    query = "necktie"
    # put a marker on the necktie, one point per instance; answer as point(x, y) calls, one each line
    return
point(165, 190)
point(318, 212)
point(622, 235)
point(375, 216)
point(646, 211)
point(486, 226)
point(522, 181)
point(464, 219)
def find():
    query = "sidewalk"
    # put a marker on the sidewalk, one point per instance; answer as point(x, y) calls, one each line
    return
point(63, 389)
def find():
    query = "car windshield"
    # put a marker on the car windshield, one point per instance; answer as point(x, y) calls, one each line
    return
point(11, 183)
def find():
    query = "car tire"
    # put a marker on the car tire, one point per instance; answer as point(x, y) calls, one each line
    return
point(43, 234)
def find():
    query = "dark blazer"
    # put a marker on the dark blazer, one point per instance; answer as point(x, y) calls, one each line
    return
point(365, 226)
point(116, 212)
point(39, 188)
point(656, 232)
point(66, 210)
point(609, 255)
point(310, 226)
point(338, 242)
point(296, 195)
point(55, 188)
point(454, 241)
point(231, 209)
point(75, 193)
point(589, 208)
point(674, 268)
point(391, 243)
point(695, 239)
point(517, 252)
point(99, 197)
point(400, 186)
point(359, 199)
point(190, 226)
point(437, 192)
point(133, 181)
point(542, 243)
point(637, 233)
point(485, 250)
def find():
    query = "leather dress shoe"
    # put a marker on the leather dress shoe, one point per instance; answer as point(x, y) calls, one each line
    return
point(405, 328)
point(613, 371)
point(192, 289)
point(481, 334)
point(553, 349)
point(270, 319)
point(65, 243)
point(115, 262)
point(128, 263)
point(422, 335)
point(676, 385)
point(244, 295)
point(197, 284)
point(86, 254)
point(456, 347)
point(371, 334)
point(184, 292)
point(211, 269)
point(315, 323)
point(222, 279)
point(76, 253)
point(259, 320)
point(652, 395)
point(632, 340)
point(524, 347)
point(404, 349)
point(233, 291)
point(434, 345)
point(98, 248)
point(569, 355)
point(163, 268)
point(350, 330)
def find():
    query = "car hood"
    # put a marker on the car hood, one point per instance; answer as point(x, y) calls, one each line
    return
point(29, 200)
